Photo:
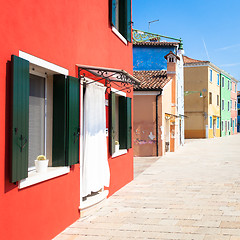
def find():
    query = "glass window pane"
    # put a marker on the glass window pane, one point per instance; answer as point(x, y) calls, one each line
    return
point(36, 118)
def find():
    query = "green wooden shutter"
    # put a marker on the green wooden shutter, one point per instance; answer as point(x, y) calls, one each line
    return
point(125, 19)
point(125, 123)
point(113, 15)
point(129, 123)
point(59, 121)
point(73, 130)
point(112, 123)
point(129, 21)
point(20, 119)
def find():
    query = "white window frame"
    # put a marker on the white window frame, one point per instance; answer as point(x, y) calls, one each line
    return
point(52, 172)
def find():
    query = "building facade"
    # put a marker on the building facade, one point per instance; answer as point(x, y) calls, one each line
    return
point(238, 109)
point(202, 99)
point(233, 106)
point(152, 56)
point(53, 61)
point(225, 104)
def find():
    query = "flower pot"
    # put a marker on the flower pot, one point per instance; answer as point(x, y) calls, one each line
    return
point(117, 148)
point(41, 165)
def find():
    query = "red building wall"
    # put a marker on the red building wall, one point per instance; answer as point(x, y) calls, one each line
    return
point(65, 33)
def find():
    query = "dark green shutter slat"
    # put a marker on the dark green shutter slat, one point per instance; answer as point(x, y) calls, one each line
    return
point(20, 119)
point(125, 123)
point(112, 123)
point(59, 120)
point(123, 18)
point(113, 15)
point(129, 21)
point(129, 123)
point(72, 121)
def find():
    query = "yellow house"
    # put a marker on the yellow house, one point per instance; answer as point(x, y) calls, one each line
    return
point(202, 99)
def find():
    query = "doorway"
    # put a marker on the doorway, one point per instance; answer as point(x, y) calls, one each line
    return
point(94, 168)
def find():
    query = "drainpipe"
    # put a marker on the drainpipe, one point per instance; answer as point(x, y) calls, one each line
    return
point(160, 93)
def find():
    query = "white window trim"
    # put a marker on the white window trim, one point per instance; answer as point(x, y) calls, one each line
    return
point(119, 153)
point(52, 172)
point(119, 35)
point(34, 177)
point(43, 63)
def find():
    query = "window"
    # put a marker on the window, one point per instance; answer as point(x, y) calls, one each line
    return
point(45, 117)
point(210, 98)
point(210, 75)
point(239, 100)
point(239, 112)
point(228, 84)
point(222, 125)
point(228, 106)
point(217, 100)
point(217, 122)
point(235, 85)
point(210, 122)
point(235, 122)
point(121, 17)
point(235, 105)
point(222, 81)
point(218, 79)
point(222, 104)
point(228, 126)
point(231, 122)
point(121, 122)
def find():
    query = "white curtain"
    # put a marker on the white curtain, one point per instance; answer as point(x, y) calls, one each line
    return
point(96, 172)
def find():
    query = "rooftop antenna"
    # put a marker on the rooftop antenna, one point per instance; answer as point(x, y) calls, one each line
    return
point(150, 23)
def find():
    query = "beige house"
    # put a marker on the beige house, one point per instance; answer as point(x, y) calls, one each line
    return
point(151, 126)
point(202, 98)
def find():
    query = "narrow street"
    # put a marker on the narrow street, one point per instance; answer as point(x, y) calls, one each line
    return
point(193, 193)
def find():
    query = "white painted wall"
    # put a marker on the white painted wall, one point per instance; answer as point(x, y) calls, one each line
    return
point(180, 96)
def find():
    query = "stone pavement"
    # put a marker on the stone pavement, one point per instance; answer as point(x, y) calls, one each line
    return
point(193, 193)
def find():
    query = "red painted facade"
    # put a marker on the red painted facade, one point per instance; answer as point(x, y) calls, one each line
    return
point(65, 33)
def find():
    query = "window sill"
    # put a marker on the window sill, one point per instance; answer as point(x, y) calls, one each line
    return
point(34, 177)
point(119, 153)
point(119, 35)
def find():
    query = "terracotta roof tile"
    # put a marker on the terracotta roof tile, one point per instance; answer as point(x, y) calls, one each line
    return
point(156, 44)
point(191, 60)
point(151, 80)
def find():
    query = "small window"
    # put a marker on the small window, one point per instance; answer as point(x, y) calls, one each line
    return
point(210, 98)
point(218, 79)
point(228, 126)
point(222, 81)
point(222, 125)
point(239, 112)
point(231, 122)
point(121, 17)
point(235, 105)
point(228, 106)
point(218, 122)
point(217, 100)
point(239, 100)
point(228, 84)
point(210, 75)
point(210, 122)
point(222, 104)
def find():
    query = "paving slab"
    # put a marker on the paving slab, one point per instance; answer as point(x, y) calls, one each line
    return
point(193, 193)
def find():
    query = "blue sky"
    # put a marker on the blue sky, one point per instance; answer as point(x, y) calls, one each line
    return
point(210, 29)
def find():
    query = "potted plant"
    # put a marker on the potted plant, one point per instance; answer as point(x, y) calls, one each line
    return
point(116, 146)
point(41, 164)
